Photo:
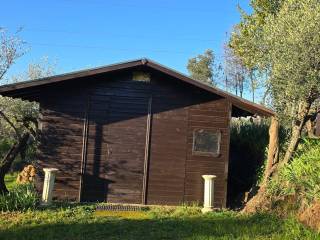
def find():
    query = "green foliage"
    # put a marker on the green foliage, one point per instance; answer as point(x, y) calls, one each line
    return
point(17, 110)
point(281, 38)
point(301, 177)
point(293, 51)
point(203, 67)
point(10, 180)
point(81, 222)
point(243, 134)
point(21, 113)
point(21, 198)
point(247, 37)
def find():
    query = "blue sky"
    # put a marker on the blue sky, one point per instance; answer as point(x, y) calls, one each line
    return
point(82, 34)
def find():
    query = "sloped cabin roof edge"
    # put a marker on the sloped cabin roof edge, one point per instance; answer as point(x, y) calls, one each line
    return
point(241, 103)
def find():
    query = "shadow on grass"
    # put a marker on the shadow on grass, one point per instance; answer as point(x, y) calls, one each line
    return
point(200, 227)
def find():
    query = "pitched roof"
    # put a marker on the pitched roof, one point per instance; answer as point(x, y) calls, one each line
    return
point(253, 108)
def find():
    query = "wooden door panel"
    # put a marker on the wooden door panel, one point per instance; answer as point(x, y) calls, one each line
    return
point(94, 180)
point(126, 149)
point(116, 149)
point(167, 156)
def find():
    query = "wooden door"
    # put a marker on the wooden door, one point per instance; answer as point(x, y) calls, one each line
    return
point(116, 149)
point(126, 139)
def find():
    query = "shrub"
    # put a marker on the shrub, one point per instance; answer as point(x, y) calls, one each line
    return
point(301, 177)
point(21, 198)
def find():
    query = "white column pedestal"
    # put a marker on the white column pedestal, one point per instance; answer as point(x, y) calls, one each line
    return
point(208, 202)
point(48, 185)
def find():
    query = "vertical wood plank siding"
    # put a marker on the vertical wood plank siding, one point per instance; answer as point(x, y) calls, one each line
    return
point(121, 123)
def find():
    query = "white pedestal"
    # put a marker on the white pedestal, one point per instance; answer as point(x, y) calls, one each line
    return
point(208, 202)
point(48, 185)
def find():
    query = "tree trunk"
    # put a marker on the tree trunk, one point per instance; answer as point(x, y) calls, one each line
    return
point(297, 129)
point(272, 161)
point(273, 150)
point(9, 158)
point(310, 128)
point(3, 187)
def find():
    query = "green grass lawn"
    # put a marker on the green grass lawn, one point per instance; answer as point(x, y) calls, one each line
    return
point(82, 222)
point(73, 222)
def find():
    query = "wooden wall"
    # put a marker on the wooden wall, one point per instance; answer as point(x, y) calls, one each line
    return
point(62, 115)
point(213, 115)
point(117, 113)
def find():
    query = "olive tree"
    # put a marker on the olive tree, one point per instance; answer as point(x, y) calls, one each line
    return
point(281, 39)
point(18, 119)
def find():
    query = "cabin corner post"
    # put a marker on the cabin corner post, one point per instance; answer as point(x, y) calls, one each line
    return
point(48, 185)
point(208, 201)
point(226, 169)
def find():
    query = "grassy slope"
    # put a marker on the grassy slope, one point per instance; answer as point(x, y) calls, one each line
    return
point(80, 222)
point(301, 177)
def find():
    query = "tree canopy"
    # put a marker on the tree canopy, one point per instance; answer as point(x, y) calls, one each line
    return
point(203, 67)
point(282, 39)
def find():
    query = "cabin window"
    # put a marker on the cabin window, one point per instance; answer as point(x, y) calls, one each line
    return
point(206, 142)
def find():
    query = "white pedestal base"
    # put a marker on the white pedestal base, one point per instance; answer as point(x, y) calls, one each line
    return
point(208, 203)
point(48, 185)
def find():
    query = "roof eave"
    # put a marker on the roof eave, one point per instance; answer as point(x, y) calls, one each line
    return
point(241, 103)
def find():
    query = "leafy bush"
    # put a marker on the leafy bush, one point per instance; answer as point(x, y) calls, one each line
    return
point(301, 177)
point(10, 180)
point(21, 198)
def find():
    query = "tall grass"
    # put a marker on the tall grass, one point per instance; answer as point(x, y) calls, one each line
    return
point(21, 197)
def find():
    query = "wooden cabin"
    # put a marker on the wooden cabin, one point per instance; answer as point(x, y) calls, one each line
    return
point(134, 132)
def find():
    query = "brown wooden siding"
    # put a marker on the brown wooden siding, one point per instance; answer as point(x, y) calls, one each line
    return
point(61, 139)
point(168, 145)
point(116, 143)
point(213, 115)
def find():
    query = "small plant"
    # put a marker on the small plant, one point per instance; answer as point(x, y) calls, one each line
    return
point(21, 198)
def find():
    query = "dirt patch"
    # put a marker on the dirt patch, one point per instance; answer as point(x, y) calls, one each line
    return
point(311, 216)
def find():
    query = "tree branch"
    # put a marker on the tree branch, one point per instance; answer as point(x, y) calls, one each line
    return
point(4, 116)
